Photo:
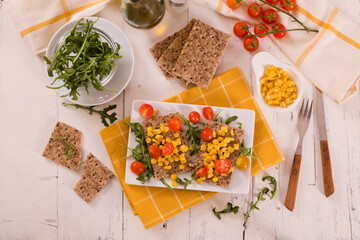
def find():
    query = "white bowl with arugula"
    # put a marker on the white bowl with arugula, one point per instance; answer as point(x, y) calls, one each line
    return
point(89, 61)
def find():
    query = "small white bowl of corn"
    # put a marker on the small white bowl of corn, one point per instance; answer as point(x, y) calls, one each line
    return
point(277, 84)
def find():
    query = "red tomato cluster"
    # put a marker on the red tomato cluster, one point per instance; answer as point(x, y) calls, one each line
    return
point(267, 16)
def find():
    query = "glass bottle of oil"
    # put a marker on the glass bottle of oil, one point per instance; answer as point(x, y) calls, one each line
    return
point(143, 13)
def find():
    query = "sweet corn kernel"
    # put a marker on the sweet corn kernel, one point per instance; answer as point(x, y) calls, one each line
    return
point(167, 167)
point(202, 178)
point(153, 161)
point(236, 146)
point(220, 133)
point(173, 176)
point(176, 135)
point(160, 164)
point(159, 137)
point(215, 179)
point(161, 147)
point(231, 149)
point(199, 181)
point(191, 165)
point(171, 159)
point(163, 141)
point(184, 148)
point(232, 132)
point(224, 129)
point(203, 148)
point(226, 154)
point(149, 129)
point(156, 131)
point(224, 174)
point(166, 129)
point(214, 134)
point(181, 166)
point(168, 140)
point(210, 175)
point(213, 152)
point(215, 141)
point(166, 162)
point(205, 155)
point(150, 134)
point(155, 112)
point(162, 128)
point(155, 141)
point(207, 159)
point(148, 140)
point(173, 183)
point(211, 170)
point(213, 157)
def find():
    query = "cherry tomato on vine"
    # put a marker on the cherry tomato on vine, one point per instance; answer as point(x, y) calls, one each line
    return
point(154, 152)
point(194, 117)
point(168, 148)
point(242, 163)
point(270, 16)
point(260, 29)
point(202, 172)
point(278, 27)
point(251, 44)
point(233, 4)
point(207, 134)
point(208, 113)
point(288, 5)
point(254, 10)
point(137, 167)
point(272, 1)
point(222, 166)
point(175, 124)
point(146, 110)
point(241, 29)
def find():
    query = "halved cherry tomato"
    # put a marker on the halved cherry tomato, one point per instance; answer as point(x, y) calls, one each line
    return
point(242, 162)
point(270, 16)
point(241, 29)
point(202, 172)
point(175, 124)
point(234, 4)
point(251, 44)
point(207, 134)
point(288, 5)
point(168, 148)
point(261, 29)
point(137, 167)
point(208, 113)
point(255, 10)
point(154, 152)
point(278, 27)
point(146, 110)
point(194, 117)
point(272, 1)
point(222, 166)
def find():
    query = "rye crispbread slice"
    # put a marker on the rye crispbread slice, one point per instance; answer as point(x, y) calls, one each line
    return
point(96, 175)
point(55, 148)
point(224, 181)
point(154, 122)
point(201, 54)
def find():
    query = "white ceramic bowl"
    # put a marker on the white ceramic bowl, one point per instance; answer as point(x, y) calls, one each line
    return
point(117, 80)
point(259, 62)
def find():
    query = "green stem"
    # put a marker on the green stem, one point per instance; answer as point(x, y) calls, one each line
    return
point(167, 185)
point(279, 31)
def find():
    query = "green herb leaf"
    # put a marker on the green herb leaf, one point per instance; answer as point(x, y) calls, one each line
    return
point(167, 185)
point(240, 125)
point(229, 209)
point(273, 182)
point(103, 113)
point(185, 182)
point(217, 116)
point(193, 135)
point(231, 119)
point(69, 146)
point(245, 151)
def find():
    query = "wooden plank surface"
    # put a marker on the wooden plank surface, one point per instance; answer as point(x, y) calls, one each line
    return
point(36, 196)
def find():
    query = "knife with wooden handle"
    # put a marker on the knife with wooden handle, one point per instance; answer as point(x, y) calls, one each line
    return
point(325, 155)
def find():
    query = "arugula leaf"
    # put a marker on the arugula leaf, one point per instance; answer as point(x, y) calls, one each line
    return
point(240, 125)
point(167, 185)
point(231, 119)
point(69, 146)
point(273, 182)
point(82, 60)
point(229, 209)
point(246, 151)
point(103, 113)
point(185, 182)
point(217, 116)
point(193, 135)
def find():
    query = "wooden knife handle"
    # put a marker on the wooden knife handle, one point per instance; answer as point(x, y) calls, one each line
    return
point(293, 182)
point(326, 168)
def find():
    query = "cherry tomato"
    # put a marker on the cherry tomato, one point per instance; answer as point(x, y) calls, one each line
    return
point(202, 172)
point(241, 29)
point(242, 163)
point(233, 4)
point(277, 27)
point(154, 152)
point(222, 166)
point(251, 44)
point(146, 110)
point(208, 113)
point(254, 10)
point(270, 16)
point(175, 124)
point(272, 1)
point(194, 117)
point(168, 148)
point(137, 167)
point(260, 29)
point(288, 5)
point(207, 134)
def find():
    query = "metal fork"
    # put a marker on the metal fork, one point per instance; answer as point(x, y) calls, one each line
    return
point(302, 124)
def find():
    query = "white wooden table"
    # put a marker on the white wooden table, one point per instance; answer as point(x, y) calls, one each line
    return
point(37, 200)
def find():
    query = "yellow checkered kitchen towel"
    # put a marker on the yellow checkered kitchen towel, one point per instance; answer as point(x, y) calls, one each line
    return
point(38, 20)
point(154, 205)
point(330, 58)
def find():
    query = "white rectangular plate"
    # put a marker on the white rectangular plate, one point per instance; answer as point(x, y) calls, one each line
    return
point(240, 179)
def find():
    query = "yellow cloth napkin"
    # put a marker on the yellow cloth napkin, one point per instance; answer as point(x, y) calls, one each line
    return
point(38, 20)
point(154, 205)
point(330, 58)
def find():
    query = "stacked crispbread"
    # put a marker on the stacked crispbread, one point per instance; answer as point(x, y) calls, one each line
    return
point(192, 54)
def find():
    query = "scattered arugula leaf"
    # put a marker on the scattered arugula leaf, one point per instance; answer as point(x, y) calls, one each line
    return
point(240, 125)
point(229, 209)
point(193, 135)
point(231, 119)
point(246, 151)
point(69, 146)
point(217, 116)
point(103, 113)
point(185, 182)
point(82, 60)
point(167, 185)
point(273, 182)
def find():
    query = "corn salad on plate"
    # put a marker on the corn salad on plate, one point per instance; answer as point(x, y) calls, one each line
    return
point(180, 163)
